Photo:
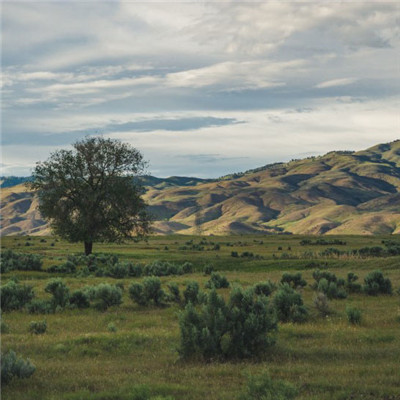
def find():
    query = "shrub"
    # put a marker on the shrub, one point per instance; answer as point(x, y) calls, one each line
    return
point(14, 296)
point(4, 328)
point(329, 276)
point(243, 328)
point(67, 268)
point(321, 303)
point(14, 367)
point(60, 292)
point(163, 268)
point(118, 271)
point(111, 327)
point(208, 269)
point(11, 260)
point(251, 324)
point(351, 284)
point(136, 294)
point(191, 293)
point(38, 327)
point(39, 306)
point(79, 299)
point(293, 280)
point(106, 295)
point(187, 267)
point(149, 291)
point(217, 281)
point(264, 288)
point(289, 305)
point(331, 289)
point(234, 254)
point(262, 387)
point(353, 315)
point(175, 295)
point(375, 283)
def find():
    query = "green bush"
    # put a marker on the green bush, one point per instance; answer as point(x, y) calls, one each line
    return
point(351, 285)
point(208, 269)
point(293, 280)
point(106, 295)
point(111, 327)
point(175, 295)
point(149, 291)
point(14, 296)
point(39, 306)
point(242, 328)
point(4, 328)
point(60, 292)
point(38, 327)
point(375, 283)
point(79, 299)
point(321, 303)
point(67, 268)
point(191, 293)
point(217, 281)
point(10, 260)
point(263, 387)
point(264, 288)
point(331, 289)
point(289, 305)
point(354, 315)
point(14, 367)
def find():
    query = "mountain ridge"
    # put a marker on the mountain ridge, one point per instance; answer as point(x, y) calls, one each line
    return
point(342, 192)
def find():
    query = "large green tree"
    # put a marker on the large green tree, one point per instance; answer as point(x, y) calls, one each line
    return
point(91, 193)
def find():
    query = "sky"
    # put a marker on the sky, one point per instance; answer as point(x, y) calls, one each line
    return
point(200, 88)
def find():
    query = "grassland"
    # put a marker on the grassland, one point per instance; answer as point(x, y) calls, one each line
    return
point(325, 358)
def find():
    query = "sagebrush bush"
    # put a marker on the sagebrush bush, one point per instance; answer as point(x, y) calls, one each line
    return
point(331, 289)
point(244, 327)
point(60, 292)
point(351, 283)
point(79, 299)
point(105, 296)
point(208, 269)
point(263, 387)
point(10, 260)
point(264, 288)
point(354, 315)
point(39, 306)
point(321, 303)
point(15, 367)
point(376, 283)
point(111, 327)
point(149, 292)
point(217, 281)
point(289, 305)
point(191, 292)
point(67, 268)
point(174, 293)
point(38, 327)
point(14, 296)
point(293, 280)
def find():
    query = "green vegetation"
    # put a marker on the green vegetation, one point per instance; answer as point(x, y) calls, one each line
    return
point(100, 344)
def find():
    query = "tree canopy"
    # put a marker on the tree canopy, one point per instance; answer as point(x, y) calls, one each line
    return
point(90, 194)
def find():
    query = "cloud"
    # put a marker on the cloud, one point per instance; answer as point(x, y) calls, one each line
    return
point(336, 82)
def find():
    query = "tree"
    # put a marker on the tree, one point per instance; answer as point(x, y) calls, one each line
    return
point(91, 194)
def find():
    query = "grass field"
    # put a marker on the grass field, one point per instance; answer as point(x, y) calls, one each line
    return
point(324, 358)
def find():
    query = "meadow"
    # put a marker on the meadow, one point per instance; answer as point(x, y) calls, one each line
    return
point(80, 357)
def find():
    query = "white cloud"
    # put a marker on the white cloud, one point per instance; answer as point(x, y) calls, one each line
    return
point(336, 82)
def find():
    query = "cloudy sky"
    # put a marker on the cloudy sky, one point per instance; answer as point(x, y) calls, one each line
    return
point(202, 89)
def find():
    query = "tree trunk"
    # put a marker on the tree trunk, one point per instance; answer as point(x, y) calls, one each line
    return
point(88, 248)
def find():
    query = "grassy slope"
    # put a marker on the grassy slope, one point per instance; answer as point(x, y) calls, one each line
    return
point(324, 358)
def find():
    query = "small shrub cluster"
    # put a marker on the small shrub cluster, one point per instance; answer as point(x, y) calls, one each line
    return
point(14, 296)
point(354, 315)
point(244, 327)
point(38, 327)
point(376, 283)
point(289, 305)
point(329, 284)
point(293, 280)
point(10, 261)
point(67, 268)
point(264, 288)
point(148, 292)
point(263, 387)
point(351, 283)
point(217, 281)
point(60, 293)
point(321, 303)
point(208, 269)
point(323, 242)
point(191, 293)
point(14, 367)
point(104, 296)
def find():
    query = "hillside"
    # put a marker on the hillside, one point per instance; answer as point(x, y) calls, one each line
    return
point(338, 193)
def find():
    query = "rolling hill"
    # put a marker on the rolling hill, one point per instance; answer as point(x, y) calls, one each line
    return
point(341, 192)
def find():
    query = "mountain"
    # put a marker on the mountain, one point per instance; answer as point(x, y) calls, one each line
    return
point(342, 192)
